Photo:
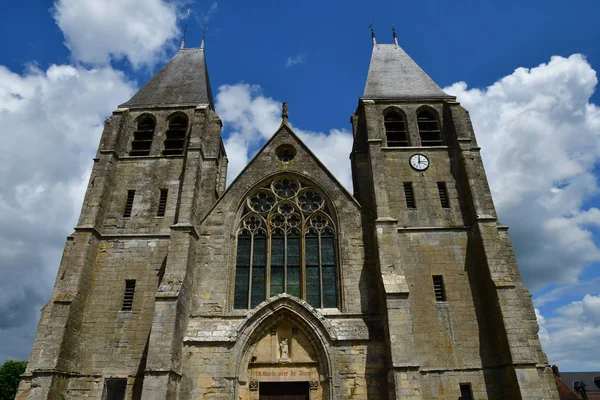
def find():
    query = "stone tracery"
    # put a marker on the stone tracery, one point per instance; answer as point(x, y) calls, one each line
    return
point(286, 244)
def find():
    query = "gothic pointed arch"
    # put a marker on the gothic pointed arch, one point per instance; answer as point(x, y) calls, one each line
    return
point(286, 242)
point(286, 309)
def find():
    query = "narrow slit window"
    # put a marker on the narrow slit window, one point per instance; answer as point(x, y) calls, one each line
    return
point(429, 129)
point(438, 288)
point(409, 195)
point(128, 295)
point(142, 137)
point(465, 391)
point(175, 136)
point(395, 130)
point(162, 202)
point(443, 190)
point(129, 203)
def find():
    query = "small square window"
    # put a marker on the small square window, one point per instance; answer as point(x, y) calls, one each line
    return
point(114, 389)
point(465, 391)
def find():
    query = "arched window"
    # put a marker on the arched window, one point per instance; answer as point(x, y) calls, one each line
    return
point(429, 129)
point(175, 136)
point(286, 244)
point(142, 137)
point(395, 129)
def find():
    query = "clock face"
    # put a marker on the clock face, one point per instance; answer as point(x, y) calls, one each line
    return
point(419, 162)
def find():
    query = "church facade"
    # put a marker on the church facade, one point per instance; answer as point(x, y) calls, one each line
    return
point(284, 285)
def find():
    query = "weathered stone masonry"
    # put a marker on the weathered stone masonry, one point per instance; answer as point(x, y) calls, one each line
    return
point(391, 335)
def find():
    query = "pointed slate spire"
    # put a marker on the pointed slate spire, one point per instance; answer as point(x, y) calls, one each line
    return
point(393, 74)
point(183, 81)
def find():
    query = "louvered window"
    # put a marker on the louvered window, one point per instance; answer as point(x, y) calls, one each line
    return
point(129, 203)
point(443, 190)
point(162, 202)
point(465, 391)
point(395, 130)
point(409, 195)
point(291, 221)
point(142, 137)
point(429, 129)
point(438, 288)
point(128, 295)
point(175, 136)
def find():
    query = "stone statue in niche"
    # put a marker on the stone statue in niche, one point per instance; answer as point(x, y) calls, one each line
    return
point(285, 350)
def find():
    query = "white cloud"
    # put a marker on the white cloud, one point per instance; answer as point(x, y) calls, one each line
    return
point(540, 139)
point(51, 124)
point(251, 119)
point(571, 337)
point(295, 60)
point(98, 31)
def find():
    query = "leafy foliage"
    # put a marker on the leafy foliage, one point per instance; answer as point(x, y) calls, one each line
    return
point(10, 373)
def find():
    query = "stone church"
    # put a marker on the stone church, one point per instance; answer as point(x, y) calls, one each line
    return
point(284, 285)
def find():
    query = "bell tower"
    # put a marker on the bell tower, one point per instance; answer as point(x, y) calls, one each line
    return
point(458, 318)
point(119, 301)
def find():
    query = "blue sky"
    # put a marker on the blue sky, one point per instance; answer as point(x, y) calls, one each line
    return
point(67, 64)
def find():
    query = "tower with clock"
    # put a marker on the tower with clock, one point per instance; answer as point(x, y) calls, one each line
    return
point(429, 218)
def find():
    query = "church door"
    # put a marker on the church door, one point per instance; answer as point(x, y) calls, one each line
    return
point(283, 391)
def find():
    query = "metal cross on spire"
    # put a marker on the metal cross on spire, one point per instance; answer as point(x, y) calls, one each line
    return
point(372, 33)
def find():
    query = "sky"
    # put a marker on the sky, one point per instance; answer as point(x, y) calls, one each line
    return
point(526, 71)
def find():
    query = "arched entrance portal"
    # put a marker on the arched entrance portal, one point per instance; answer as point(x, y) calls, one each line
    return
point(285, 353)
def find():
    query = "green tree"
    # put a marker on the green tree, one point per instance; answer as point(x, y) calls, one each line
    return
point(10, 373)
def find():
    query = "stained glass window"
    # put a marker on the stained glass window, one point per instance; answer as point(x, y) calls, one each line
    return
point(242, 273)
point(328, 269)
point(288, 221)
point(259, 262)
point(277, 264)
